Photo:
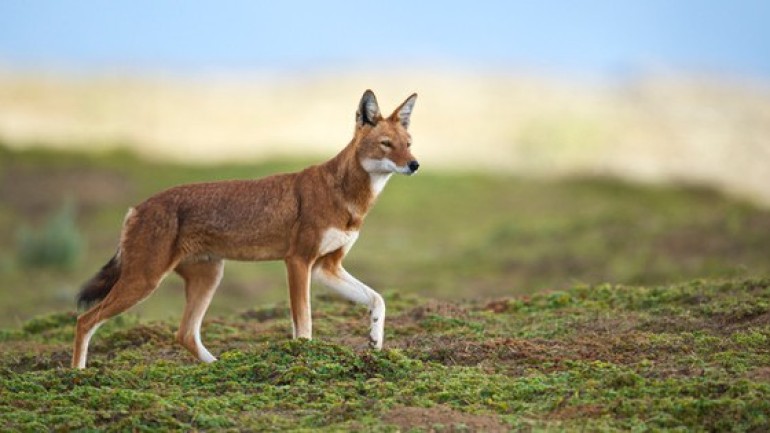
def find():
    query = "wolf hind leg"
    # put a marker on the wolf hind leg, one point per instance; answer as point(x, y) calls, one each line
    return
point(127, 292)
point(146, 256)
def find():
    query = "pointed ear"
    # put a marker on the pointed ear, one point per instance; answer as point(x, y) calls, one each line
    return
point(404, 112)
point(368, 110)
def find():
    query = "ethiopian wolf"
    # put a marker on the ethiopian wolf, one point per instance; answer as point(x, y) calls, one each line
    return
point(309, 219)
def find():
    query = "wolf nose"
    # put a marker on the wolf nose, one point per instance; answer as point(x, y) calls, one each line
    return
point(414, 165)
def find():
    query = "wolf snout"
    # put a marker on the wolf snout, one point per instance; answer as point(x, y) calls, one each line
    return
point(413, 166)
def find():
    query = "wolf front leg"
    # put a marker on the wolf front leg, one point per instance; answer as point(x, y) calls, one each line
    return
point(298, 275)
point(339, 280)
point(201, 280)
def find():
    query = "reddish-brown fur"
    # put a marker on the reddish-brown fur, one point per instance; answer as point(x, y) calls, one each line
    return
point(192, 229)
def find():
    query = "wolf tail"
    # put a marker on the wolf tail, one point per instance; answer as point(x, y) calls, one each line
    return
point(101, 284)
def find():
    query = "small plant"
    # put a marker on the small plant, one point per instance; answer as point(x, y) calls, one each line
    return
point(58, 244)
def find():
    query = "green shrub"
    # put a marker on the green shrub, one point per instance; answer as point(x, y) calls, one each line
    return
point(58, 244)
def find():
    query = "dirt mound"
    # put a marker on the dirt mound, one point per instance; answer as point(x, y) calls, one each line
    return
point(156, 334)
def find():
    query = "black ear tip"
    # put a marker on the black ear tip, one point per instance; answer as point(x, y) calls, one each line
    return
point(368, 97)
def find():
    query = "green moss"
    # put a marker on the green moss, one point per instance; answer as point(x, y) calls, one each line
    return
point(48, 322)
point(590, 357)
point(753, 339)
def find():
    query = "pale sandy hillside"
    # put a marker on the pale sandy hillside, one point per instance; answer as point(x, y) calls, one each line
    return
point(655, 129)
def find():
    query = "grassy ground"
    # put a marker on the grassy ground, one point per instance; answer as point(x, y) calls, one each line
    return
point(575, 303)
point(690, 356)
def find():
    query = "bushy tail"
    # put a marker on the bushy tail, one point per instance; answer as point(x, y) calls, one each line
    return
point(100, 285)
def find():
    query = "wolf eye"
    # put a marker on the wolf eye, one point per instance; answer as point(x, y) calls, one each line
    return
point(409, 143)
point(386, 142)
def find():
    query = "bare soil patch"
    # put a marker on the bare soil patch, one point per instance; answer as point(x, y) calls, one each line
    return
point(438, 308)
point(442, 419)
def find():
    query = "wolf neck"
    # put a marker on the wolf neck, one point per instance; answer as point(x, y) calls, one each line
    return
point(378, 182)
point(359, 188)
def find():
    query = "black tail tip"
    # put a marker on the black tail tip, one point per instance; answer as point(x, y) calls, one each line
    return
point(98, 287)
point(85, 301)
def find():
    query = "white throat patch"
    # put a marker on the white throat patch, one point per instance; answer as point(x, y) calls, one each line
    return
point(379, 172)
point(378, 182)
point(334, 239)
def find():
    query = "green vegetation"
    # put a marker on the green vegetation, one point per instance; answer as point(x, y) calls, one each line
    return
point(58, 244)
point(691, 356)
point(577, 304)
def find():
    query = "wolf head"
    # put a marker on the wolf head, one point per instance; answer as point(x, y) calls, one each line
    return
point(384, 144)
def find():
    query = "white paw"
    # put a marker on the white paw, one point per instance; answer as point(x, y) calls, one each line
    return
point(376, 335)
point(205, 356)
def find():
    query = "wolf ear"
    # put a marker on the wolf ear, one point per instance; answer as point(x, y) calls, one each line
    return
point(404, 112)
point(368, 110)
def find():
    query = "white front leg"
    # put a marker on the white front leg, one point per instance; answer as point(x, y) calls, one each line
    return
point(350, 288)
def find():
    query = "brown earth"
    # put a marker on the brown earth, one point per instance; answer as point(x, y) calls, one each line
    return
point(442, 419)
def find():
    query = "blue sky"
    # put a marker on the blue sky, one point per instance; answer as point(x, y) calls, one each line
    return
point(593, 37)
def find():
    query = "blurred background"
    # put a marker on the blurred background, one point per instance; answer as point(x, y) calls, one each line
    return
point(560, 143)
